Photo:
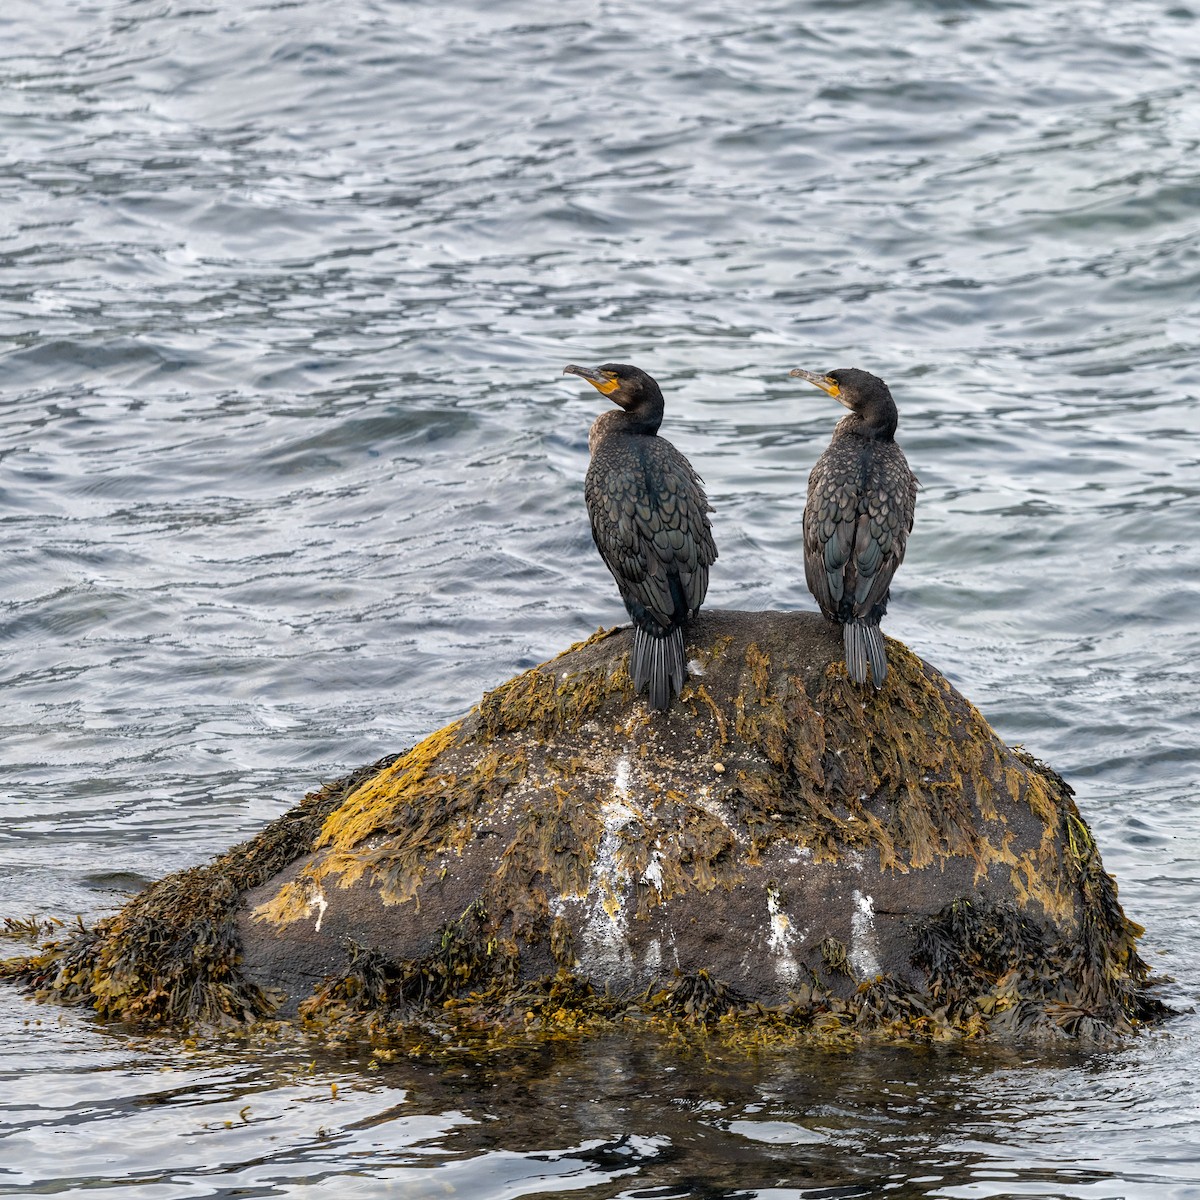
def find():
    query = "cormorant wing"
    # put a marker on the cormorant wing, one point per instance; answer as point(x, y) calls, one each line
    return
point(881, 538)
point(648, 508)
point(855, 531)
point(830, 516)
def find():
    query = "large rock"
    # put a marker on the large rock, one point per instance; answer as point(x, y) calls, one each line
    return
point(781, 848)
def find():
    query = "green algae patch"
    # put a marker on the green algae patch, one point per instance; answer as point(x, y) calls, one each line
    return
point(780, 857)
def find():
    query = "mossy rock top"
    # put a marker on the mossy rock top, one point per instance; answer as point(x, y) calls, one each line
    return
point(781, 850)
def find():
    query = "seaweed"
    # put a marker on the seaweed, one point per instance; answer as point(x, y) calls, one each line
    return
point(695, 997)
point(1022, 977)
point(467, 957)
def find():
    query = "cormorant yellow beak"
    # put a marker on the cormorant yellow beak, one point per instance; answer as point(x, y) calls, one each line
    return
point(600, 381)
point(822, 381)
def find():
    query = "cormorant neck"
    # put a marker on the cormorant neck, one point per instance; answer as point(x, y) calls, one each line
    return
point(644, 416)
point(877, 424)
point(639, 420)
point(646, 413)
point(619, 421)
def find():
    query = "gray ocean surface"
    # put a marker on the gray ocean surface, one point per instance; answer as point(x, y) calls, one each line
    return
point(289, 476)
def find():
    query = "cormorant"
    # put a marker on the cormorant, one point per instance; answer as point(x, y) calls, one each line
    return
point(648, 510)
point(861, 496)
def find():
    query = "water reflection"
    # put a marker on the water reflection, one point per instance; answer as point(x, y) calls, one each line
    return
point(630, 1116)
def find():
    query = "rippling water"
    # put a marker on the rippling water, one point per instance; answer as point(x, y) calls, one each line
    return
point(290, 475)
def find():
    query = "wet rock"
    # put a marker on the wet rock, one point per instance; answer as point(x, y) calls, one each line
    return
point(781, 850)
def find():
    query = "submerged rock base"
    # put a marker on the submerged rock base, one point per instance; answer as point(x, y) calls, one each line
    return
point(781, 855)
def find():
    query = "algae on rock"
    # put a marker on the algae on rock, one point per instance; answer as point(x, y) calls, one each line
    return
point(780, 855)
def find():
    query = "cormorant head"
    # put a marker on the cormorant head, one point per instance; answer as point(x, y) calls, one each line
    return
point(629, 387)
point(864, 394)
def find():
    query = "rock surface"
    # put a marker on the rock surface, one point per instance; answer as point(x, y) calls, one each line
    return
point(780, 847)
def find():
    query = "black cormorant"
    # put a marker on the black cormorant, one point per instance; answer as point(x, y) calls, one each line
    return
point(861, 496)
point(648, 510)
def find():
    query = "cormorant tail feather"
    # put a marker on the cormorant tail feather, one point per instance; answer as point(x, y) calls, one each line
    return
point(864, 644)
point(659, 663)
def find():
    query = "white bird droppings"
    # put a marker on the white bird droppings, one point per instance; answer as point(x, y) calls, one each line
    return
point(620, 781)
point(781, 938)
point(864, 950)
point(316, 899)
point(653, 873)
